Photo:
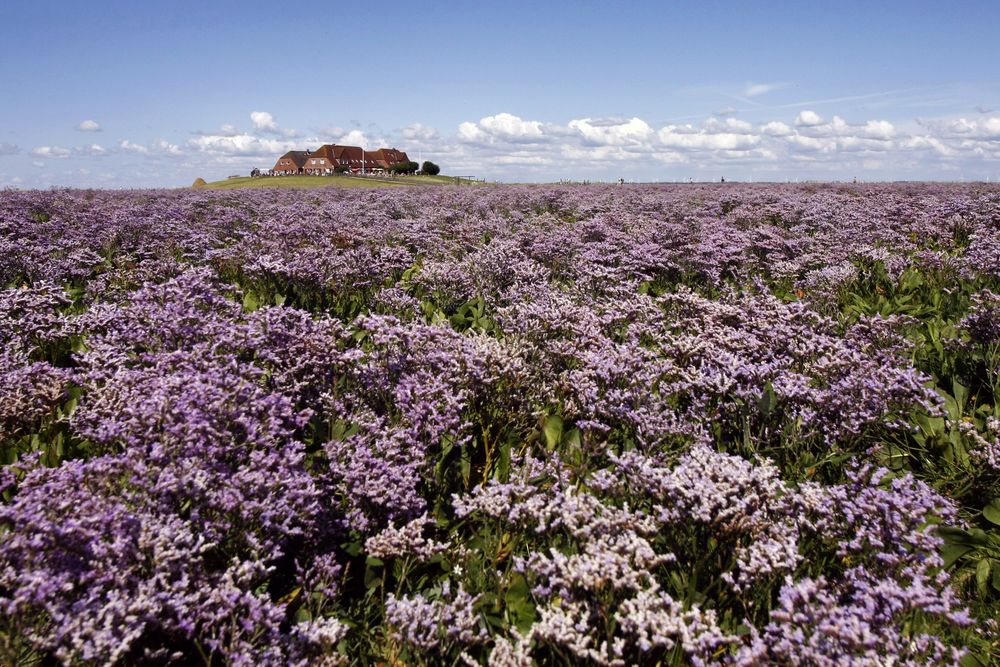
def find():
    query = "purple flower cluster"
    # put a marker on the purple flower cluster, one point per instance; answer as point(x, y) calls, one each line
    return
point(492, 425)
point(611, 550)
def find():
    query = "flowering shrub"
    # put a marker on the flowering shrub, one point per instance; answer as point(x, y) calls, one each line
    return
point(500, 426)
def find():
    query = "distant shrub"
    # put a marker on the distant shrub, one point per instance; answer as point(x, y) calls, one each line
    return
point(408, 167)
point(430, 168)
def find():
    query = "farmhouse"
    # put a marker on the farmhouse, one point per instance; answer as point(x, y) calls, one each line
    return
point(292, 162)
point(330, 158)
point(384, 158)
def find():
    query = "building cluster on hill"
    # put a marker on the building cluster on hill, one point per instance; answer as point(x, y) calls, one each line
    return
point(331, 159)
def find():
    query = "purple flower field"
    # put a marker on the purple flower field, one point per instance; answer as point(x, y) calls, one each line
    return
point(708, 425)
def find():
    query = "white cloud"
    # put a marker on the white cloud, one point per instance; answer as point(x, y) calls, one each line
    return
point(705, 140)
point(729, 124)
point(227, 130)
point(246, 145)
point(977, 129)
point(91, 150)
point(879, 129)
point(755, 89)
point(419, 132)
point(513, 148)
point(776, 128)
point(726, 111)
point(470, 132)
point(962, 126)
point(501, 127)
point(89, 126)
point(160, 147)
point(130, 147)
point(263, 121)
point(9, 149)
point(167, 148)
point(602, 143)
point(632, 132)
point(511, 127)
point(927, 143)
point(808, 119)
point(51, 152)
point(817, 144)
point(330, 132)
point(355, 138)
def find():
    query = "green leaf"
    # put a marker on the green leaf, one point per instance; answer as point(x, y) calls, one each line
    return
point(768, 399)
point(957, 536)
point(502, 471)
point(250, 301)
point(552, 427)
point(992, 512)
point(952, 552)
point(960, 392)
point(982, 575)
point(352, 548)
point(373, 577)
point(520, 607)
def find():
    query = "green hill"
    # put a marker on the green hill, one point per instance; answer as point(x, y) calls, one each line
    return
point(338, 181)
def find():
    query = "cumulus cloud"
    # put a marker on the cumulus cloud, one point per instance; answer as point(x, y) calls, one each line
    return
point(879, 129)
point(89, 126)
point(9, 149)
point(227, 130)
point(419, 132)
point(727, 125)
point(806, 138)
point(91, 150)
point(51, 152)
point(470, 132)
point(776, 128)
point(511, 127)
point(166, 148)
point(129, 147)
point(983, 109)
point(160, 147)
point(510, 147)
point(245, 145)
point(726, 111)
point(632, 132)
point(354, 138)
point(264, 122)
point(925, 142)
point(974, 129)
point(330, 132)
point(705, 139)
point(808, 119)
point(503, 127)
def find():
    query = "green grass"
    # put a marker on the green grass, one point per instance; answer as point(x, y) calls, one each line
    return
point(339, 181)
point(297, 182)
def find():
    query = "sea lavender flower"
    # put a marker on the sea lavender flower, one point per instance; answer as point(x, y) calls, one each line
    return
point(407, 540)
point(429, 625)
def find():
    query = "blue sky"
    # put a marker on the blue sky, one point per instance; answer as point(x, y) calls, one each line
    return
point(123, 94)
